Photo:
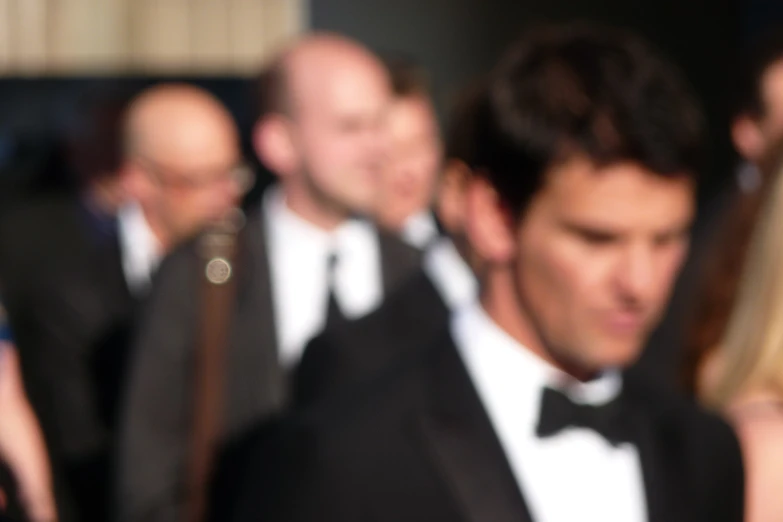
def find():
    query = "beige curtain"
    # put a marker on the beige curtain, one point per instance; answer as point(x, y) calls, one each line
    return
point(142, 36)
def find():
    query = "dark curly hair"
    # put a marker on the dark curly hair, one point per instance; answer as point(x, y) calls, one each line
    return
point(570, 90)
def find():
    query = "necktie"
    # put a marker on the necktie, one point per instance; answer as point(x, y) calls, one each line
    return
point(334, 315)
point(558, 412)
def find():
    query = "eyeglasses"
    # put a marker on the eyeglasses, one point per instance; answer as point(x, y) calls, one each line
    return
point(169, 178)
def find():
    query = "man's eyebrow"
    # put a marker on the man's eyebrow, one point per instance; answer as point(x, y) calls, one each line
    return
point(590, 228)
point(678, 230)
point(606, 232)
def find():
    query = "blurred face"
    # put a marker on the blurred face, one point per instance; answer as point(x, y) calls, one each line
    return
point(193, 182)
point(754, 137)
point(410, 174)
point(771, 124)
point(594, 259)
point(339, 136)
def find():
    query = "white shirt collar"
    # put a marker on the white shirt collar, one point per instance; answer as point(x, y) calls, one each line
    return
point(502, 367)
point(141, 250)
point(450, 274)
point(601, 481)
point(298, 252)
point(420, 230)
point(284, 221)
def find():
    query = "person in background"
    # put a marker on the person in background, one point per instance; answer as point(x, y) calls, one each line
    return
point(310, 259)
point(757, 126)
point(63, 299)
point(344, 362)
point(22, 447)
point(182, 170)
point(341, 361)
point(718, 283)
point(677, 346)
point(742, 375)
point(588, 147)
point(410, 175)
point(706, 292)
point(78, 268)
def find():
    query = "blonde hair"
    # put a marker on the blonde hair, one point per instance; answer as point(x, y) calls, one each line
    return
point(751, 350)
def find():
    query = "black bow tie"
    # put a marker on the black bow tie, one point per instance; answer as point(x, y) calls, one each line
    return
point(559, 412)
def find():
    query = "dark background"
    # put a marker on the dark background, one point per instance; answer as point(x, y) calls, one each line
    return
point(456, 40)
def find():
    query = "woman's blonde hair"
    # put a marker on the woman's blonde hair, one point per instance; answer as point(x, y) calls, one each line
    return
point(750, 353)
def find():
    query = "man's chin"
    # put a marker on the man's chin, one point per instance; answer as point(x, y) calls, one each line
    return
point(357, 206)
point(620, 356)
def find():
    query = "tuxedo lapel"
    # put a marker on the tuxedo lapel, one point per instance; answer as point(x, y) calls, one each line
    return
point(256, 384)
point(661, 462)
point(462, 443)
point(416, 312)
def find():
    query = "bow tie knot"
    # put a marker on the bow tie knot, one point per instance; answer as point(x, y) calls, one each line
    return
point(559, 412)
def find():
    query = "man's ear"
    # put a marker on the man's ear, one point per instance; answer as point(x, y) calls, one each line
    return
point(748, 138)
point(273, 142)
point(488, 225)
point(450, 197)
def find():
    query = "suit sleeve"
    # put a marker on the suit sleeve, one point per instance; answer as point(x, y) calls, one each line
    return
point(155, 423)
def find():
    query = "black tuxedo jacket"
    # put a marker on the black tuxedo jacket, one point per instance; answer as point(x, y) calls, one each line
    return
point(344, 360)
point(338, 366)
point(423, 449)
point(156, 423)
point(71, 313)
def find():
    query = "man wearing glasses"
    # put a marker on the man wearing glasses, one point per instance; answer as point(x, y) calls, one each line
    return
point(79, 274)
point(182, 170)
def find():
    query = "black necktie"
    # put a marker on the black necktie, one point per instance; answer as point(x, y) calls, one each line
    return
point(558, 412)
point(333, 314)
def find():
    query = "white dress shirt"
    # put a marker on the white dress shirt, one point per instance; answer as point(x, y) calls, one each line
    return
point(141, 251)
point(420, 230)
point(298, 256)
point(451, 275)
point(573, 475)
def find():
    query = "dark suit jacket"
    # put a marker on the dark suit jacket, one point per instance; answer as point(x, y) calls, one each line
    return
point(423, 449)
point(156, 425)
point(71, 313)
point(360, 353)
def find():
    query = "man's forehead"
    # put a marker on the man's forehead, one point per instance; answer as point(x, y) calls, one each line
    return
point(208, 153)
point(618, 193)
point(412, 114)
point(331, 79)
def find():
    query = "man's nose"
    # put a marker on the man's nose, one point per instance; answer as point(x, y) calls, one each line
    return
point(636, 273)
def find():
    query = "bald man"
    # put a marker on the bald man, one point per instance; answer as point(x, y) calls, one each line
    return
point(88, 262)
point(309, 260)
point(182, 169)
